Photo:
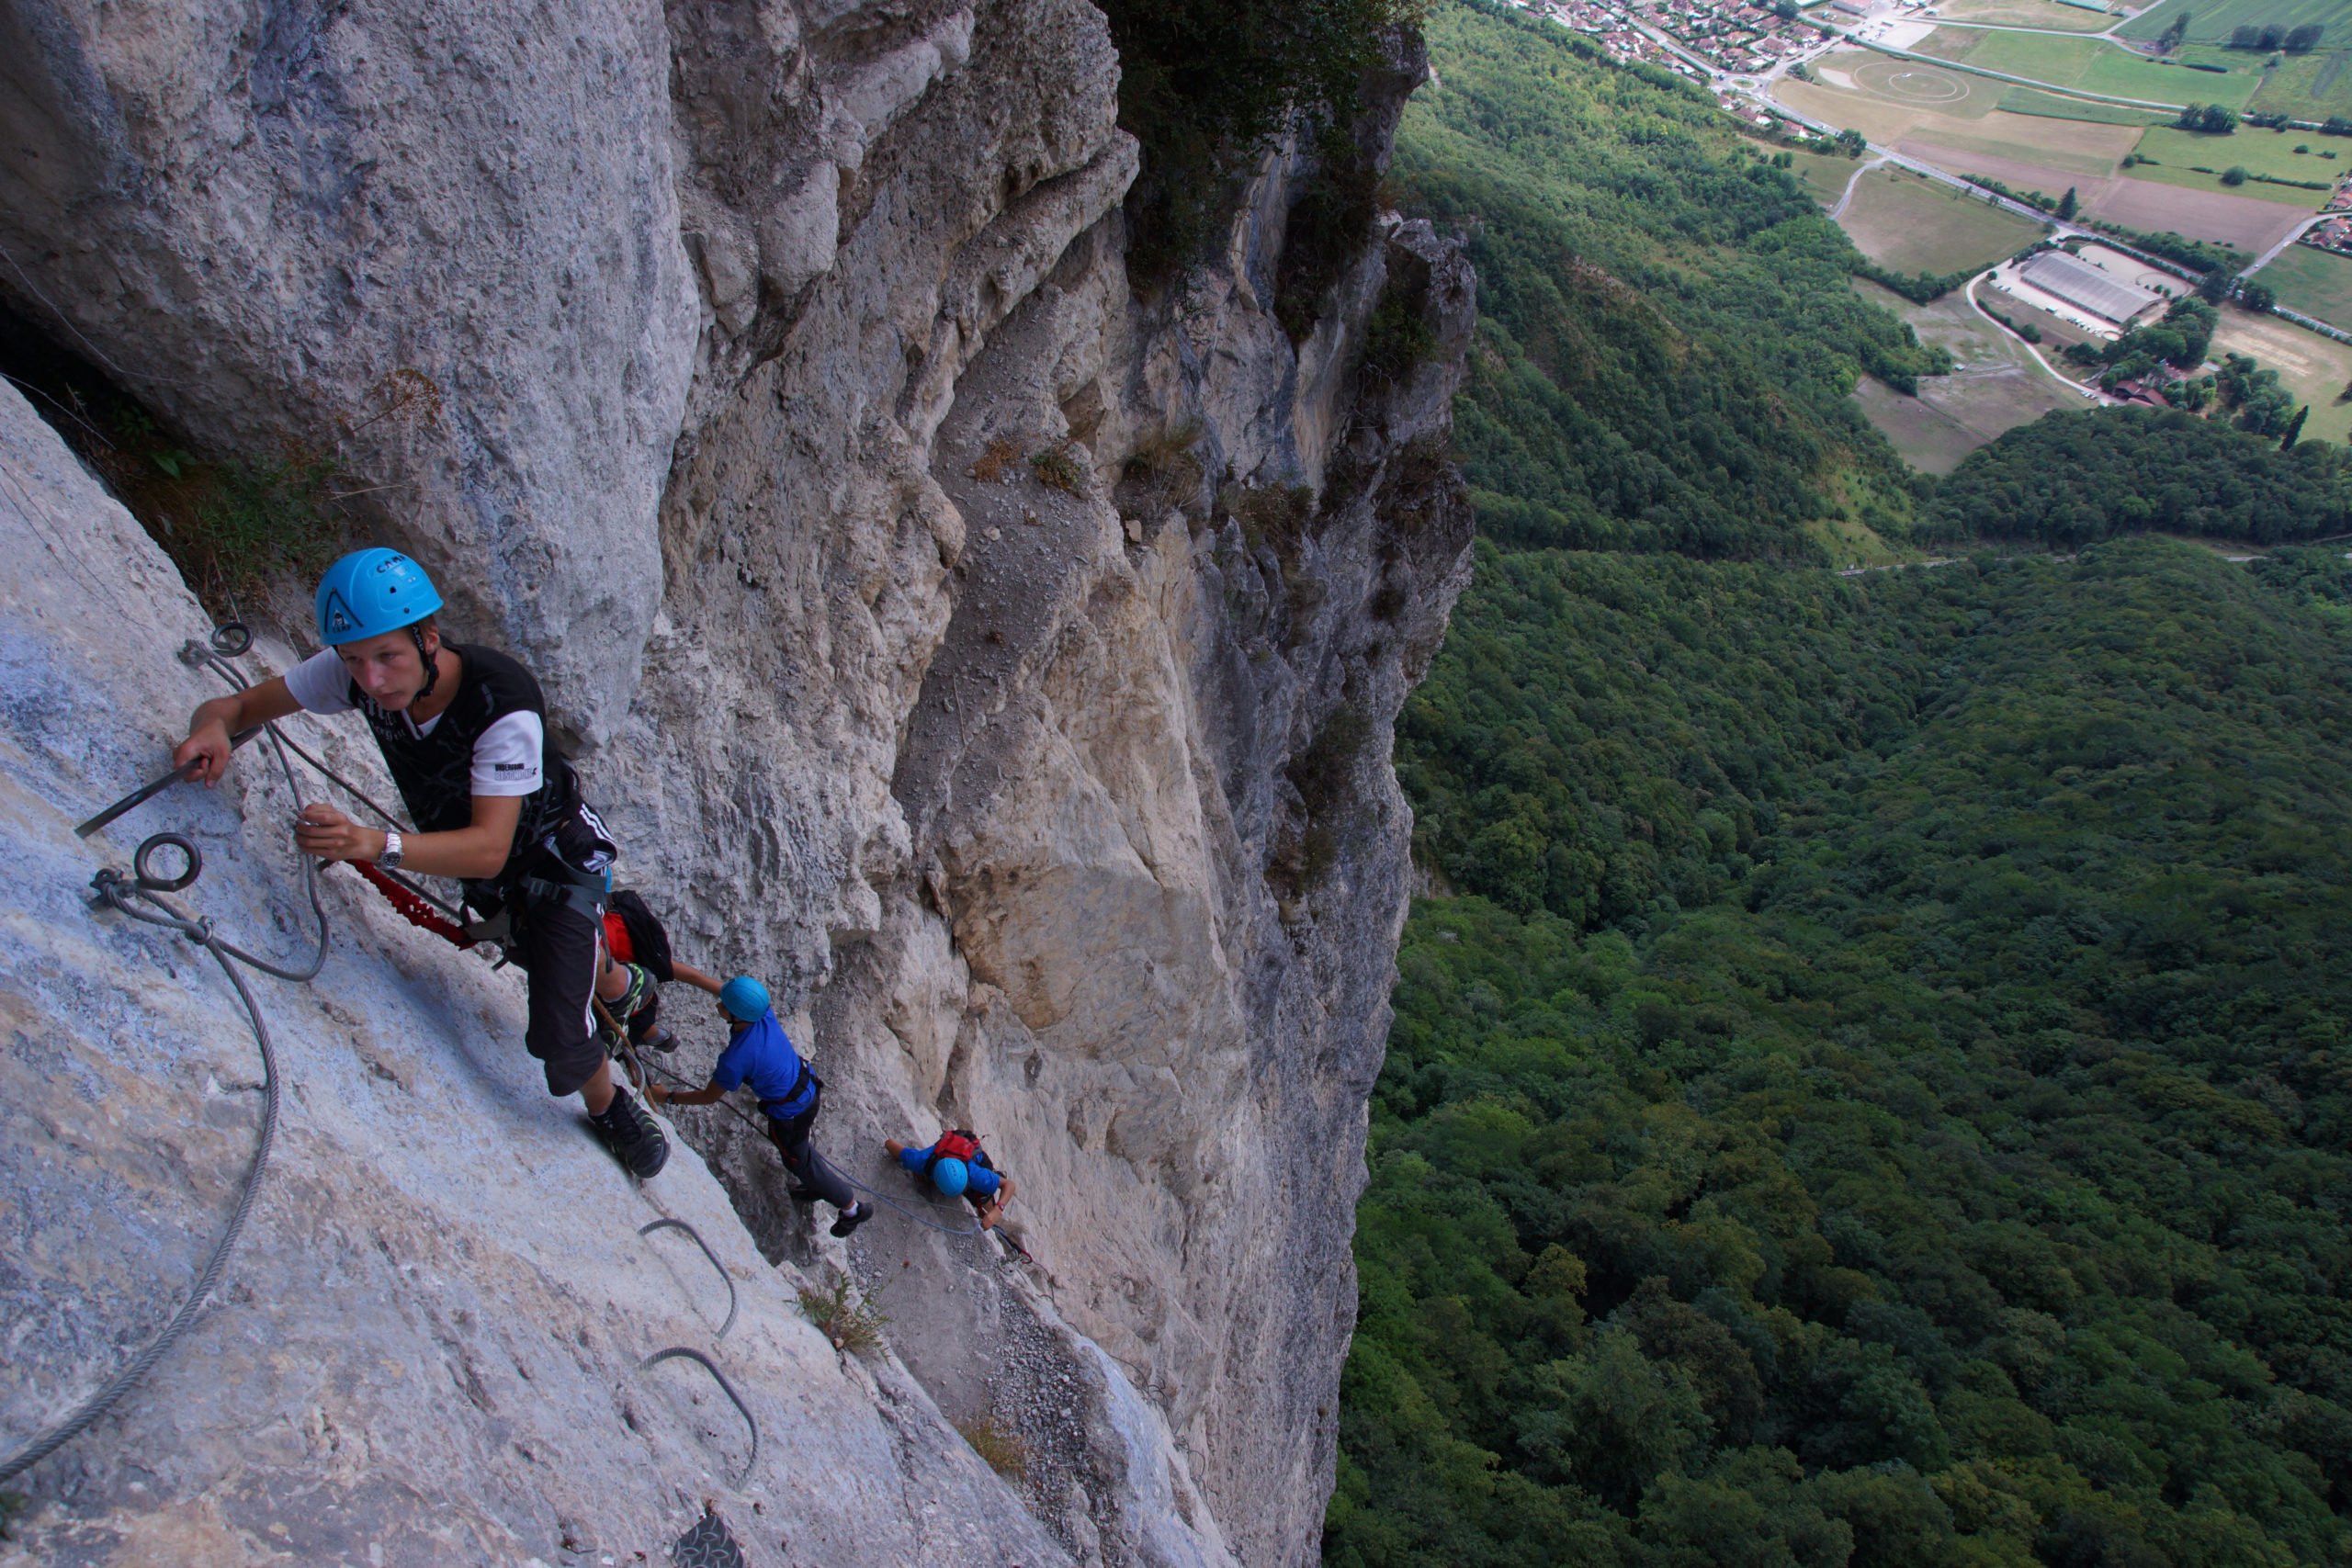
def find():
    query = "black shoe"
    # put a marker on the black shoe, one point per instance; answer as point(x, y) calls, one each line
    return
point(851, 1217)
point(657, 1039)
point(632, 1135)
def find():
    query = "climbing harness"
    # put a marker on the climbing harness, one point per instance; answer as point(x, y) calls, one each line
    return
point(140, 893)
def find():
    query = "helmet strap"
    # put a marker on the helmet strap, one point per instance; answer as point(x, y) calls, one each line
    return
point(432, 662)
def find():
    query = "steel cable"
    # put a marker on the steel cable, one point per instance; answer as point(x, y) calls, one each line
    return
point(119, 892)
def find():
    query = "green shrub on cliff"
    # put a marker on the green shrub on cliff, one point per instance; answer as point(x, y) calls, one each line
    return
point(1205, 84)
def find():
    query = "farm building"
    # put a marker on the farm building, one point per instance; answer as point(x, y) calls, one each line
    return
point(2080, 284)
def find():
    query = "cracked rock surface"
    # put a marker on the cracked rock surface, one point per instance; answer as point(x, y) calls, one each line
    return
point(1000, 664)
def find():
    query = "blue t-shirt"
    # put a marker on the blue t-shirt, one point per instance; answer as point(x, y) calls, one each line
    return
point(984, 1180)
point(761, 1056)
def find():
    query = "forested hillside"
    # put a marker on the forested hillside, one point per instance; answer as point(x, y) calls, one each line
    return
point(1666, 339)
point(1924, 1140)
point(1878, 1091)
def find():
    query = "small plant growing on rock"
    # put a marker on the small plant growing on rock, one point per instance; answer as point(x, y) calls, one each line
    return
point(852, 1322)
point(989, 467)
point(1056, 467)
point(1164, 470)
point(1004, 1451)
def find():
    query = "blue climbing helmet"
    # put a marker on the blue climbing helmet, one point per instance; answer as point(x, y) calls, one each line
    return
point(950, 1175)
point(744, 997)
point(372, 591)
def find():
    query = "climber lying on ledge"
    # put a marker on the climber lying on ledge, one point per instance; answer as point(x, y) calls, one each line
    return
point(954, 1163)
point(760, 1053)
point(463, 731)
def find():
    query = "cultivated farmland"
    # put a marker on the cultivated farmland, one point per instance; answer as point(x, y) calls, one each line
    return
point(2052, 105)
point(2315, 282)
point(2090, 65)
point(2247, 223)
point(2211, 21)
point(1910, 223)
point(2024, 14)
point(2309, 87)
point(2176, 157)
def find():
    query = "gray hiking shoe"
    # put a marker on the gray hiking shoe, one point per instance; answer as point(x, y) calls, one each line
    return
point(632, 1136)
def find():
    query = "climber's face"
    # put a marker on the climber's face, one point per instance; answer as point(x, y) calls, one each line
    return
point(388, 667)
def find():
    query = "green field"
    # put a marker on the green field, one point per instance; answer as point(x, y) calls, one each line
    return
point(2315, 282)
point(2176, 157)
point(1823, 173)
point(1909, 223)
point(2210, 21)
point(2093, 66)
point(2309, 87)
point(2050, 105)
point(2024, 14)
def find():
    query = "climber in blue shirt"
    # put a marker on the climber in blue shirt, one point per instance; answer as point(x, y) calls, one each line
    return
point(954, 1164)
point(761, 1053)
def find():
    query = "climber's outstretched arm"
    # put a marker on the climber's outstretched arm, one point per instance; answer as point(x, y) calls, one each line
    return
point(210, 725)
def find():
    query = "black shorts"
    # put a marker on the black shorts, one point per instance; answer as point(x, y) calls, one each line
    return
point(556, 948)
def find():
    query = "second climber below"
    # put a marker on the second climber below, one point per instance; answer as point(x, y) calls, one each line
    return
point(463, 730)
point(758, 1053)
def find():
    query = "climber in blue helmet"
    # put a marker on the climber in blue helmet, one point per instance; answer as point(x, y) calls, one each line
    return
point(955, 1165)
point(463, 729)
point(758, 1053)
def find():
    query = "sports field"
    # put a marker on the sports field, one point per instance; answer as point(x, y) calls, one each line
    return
point(2092, 66)
point(1995, 387)
point(2309, 87)
point(2315, 282)
point(2210, 21)
point(2195, 162)
point(1910, 223)
point(2315, 368)
point(2025, 13)
point(2052, 105)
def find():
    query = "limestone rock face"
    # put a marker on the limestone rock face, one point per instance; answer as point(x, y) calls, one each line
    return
point(1002, 666)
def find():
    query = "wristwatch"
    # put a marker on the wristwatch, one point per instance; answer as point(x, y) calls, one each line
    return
point(391, 859)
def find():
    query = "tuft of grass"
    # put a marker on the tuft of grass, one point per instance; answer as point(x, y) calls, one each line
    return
point(1274, 514)
point(1164, 470)
point(1055, 469)
point(853, 1322)
point(989, 467)
point(1004, 1451)
point(11, 1505)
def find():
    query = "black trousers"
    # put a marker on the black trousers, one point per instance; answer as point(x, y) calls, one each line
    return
point(801, 1160)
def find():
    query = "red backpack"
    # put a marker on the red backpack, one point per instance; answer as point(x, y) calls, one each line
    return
point(962, 1144)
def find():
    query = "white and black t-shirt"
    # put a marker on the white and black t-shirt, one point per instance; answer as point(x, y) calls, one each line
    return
point(491, 739)
point(507, 756)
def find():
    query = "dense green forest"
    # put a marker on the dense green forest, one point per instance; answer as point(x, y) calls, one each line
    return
point(1878, 1090)
point(2076, 476)
point(1667, 341)
point(1923, 1138)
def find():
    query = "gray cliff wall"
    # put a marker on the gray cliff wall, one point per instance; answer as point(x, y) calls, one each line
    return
point(1063, 813)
